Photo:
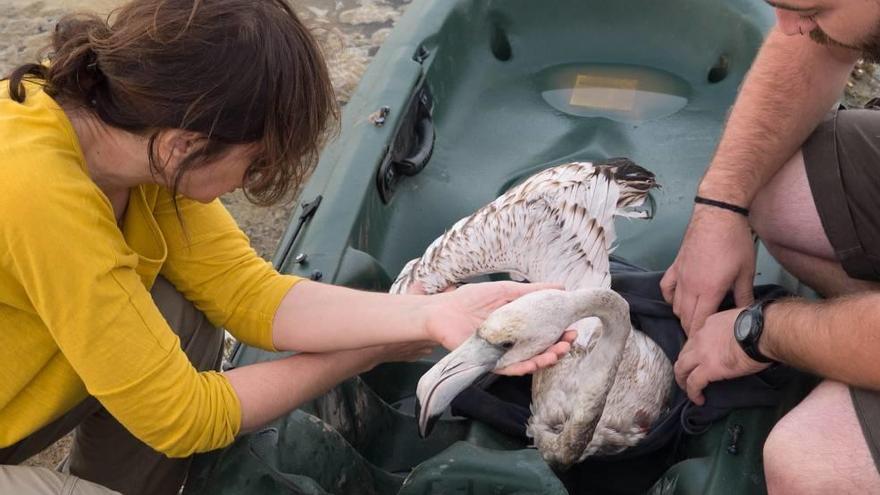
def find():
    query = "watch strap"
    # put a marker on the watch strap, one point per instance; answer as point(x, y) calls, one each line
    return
point(750, 345)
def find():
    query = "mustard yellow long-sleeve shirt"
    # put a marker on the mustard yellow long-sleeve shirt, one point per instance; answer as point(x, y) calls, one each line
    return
point(76, 316)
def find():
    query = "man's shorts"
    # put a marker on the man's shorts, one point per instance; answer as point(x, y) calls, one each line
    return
point(867, 406)
point(842, 159)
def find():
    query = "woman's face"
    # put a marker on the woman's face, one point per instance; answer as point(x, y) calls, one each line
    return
point(220, 176)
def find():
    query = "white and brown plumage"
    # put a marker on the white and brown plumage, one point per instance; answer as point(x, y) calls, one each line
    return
point(557, 226)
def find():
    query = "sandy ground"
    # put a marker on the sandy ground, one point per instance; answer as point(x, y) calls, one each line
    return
point(350, 31)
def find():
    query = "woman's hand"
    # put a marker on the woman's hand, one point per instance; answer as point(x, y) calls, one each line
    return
point(454, 316)
point(548, 358)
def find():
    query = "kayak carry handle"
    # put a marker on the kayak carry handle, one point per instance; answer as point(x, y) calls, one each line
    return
point(413, 164)
point(412, 145)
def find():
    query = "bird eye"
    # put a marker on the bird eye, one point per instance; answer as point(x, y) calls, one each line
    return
point(507, 345)
point(629, 171)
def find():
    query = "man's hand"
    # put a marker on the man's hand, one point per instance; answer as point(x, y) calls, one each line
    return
point(717, 253)
point(712, 354)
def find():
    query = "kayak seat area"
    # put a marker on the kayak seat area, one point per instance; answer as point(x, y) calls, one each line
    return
point(517, 88)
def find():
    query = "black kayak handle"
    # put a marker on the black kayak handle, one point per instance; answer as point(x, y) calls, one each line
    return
point(410, 150)
point(416, 161)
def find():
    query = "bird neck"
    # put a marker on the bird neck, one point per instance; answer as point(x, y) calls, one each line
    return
point(604, 304)
point(597, 371)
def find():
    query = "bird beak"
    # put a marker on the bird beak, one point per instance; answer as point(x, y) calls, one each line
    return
point(642, 208)
point(450, 376)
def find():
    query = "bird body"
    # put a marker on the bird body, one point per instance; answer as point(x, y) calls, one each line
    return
point(557, 226)
point(637, 396)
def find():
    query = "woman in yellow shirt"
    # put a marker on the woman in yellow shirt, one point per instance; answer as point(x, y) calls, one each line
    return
point(115, 253)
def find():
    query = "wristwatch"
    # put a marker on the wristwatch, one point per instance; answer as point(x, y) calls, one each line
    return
point(748, 328)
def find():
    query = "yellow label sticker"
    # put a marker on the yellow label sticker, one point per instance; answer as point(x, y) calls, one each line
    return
point(604, 92)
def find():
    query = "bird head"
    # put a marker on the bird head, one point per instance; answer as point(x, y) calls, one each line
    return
point(515, 332)
point(634, 183)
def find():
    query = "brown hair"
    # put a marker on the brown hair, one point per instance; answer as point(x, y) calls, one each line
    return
point(236, 71)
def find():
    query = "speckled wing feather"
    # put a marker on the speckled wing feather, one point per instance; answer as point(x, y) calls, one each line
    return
point(556, 226)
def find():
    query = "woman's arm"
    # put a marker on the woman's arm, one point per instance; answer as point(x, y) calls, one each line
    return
point(315, 317)
point(212, 264)
point(268, 390)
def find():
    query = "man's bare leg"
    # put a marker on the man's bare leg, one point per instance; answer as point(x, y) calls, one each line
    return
point(819, 448)
point(784, 216)
point(822, 275)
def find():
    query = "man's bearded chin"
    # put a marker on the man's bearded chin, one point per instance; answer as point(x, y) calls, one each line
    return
point(870, 49)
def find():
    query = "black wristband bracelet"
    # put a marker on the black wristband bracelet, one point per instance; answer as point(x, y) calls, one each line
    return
point(721, 204)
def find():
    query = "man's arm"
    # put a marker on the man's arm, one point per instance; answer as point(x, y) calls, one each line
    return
point(793, 83)
point(837, 339)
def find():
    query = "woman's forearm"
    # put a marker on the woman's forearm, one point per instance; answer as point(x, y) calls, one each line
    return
point(315, 317)
point(270, 389)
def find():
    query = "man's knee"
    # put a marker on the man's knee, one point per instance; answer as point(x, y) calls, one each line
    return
point(819, 448)
point(793, 463)
point(782, 469)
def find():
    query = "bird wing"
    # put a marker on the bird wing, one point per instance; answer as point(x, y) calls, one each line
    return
point(556, 226)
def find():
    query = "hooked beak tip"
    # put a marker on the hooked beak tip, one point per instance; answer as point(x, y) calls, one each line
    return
point(450, 376)
point(426, 423)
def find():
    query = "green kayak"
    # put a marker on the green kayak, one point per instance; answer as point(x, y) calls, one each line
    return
point(465, 99)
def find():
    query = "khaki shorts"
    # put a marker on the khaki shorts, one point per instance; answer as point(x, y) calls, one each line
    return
point(842, 159)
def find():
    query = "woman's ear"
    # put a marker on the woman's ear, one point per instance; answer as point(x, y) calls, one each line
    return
point(174, 145)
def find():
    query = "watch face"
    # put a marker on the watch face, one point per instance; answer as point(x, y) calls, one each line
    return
point(743, 326)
